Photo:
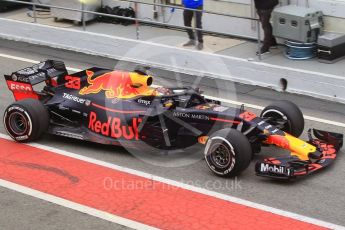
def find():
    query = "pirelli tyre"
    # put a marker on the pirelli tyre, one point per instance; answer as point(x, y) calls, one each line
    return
point(288, 111)
point(228, 152)
point(26, 120)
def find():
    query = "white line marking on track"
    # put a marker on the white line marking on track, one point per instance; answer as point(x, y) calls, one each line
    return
point(186, 186)
point(311, 118)
point(74, 206)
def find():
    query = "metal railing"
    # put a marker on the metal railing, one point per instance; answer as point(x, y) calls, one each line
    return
point(137, 20)
point(183, 8)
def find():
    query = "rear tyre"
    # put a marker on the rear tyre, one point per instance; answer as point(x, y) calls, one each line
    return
point(288, 111)
point(228, 152)
point(26, 120)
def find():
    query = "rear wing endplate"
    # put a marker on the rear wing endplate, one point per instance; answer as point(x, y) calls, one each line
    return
point(22, 81)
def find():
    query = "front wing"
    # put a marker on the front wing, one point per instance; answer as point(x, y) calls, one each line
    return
point(328, 144)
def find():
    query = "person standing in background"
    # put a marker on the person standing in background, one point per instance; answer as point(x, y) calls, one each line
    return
point(188, 17)
point(264, 9)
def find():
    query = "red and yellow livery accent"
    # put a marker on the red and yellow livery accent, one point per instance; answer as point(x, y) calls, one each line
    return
point(118, 84)
point(298, 147)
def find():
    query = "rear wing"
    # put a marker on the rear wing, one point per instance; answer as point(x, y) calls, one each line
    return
point(21, 81)
point(38, 73)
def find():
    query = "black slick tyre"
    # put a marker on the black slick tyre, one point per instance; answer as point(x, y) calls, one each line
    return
point(228, 152)
point(287, 111)
point(26, 120)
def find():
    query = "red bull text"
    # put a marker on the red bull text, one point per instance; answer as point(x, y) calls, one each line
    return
point(114, 128)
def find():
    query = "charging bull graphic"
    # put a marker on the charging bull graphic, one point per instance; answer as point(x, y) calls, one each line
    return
point(118, 84)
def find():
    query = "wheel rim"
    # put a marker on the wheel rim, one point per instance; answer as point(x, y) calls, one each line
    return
point(221, 156)
point(281, 120)
point(18, 123)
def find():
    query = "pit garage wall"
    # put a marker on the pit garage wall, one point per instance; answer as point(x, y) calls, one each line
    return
point(333, 9)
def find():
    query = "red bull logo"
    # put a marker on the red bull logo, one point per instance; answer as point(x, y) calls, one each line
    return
point(114, 128)
point(117, 84)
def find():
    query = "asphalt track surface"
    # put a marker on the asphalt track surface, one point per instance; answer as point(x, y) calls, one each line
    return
point(321, 196)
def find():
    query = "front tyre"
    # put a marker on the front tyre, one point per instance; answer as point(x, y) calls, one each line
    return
point(26, 120)
point(286, 116)
point(228, 152)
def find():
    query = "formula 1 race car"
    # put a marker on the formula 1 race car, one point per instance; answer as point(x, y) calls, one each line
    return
point(117, 107)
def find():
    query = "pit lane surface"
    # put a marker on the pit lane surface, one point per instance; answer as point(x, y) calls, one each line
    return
point(320, 196)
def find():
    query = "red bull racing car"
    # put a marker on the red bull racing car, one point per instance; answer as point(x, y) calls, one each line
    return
point(122, 108)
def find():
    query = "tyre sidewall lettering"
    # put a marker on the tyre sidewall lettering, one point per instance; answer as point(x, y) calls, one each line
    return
point(208, 153)
point(7, 114)
point(16, 108)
